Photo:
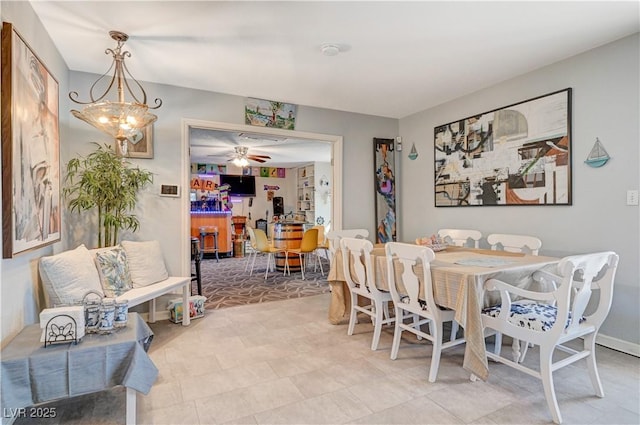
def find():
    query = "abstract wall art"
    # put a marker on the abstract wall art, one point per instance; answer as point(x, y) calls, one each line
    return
point(385, 185)
point(516, 155)
point(30, 149)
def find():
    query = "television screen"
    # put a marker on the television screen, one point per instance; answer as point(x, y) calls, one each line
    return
point(239, 185)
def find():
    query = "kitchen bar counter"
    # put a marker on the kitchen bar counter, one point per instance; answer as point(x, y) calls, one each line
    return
point(220, 219)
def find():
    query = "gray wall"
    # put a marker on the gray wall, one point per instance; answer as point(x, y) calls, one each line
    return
point(18, 285)
point(605, 105)
point(605, 84)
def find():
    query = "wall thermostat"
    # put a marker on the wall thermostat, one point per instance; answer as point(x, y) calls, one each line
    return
point(170, 190)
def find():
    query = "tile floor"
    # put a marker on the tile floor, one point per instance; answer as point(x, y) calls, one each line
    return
point(283, 363)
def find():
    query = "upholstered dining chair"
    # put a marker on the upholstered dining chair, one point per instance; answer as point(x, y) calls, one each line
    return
point(515, 243)
point(404, 284)
point(308, 246)
point(551, 319)
point(460, 237)
point(358, 273)
point(263, 246)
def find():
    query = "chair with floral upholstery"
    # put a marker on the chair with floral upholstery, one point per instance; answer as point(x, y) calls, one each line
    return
point(551, 319)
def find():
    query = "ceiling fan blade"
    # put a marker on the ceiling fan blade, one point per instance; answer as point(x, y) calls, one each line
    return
point(258, 160)
point(260, 156)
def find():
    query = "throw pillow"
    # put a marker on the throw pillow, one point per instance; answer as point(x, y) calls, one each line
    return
point(68, 276)
point(113, 269)
point(146, 263)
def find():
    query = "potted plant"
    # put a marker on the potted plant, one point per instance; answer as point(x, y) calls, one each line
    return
point(110, 184)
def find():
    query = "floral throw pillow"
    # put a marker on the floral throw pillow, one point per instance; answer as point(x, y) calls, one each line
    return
point(114, 271)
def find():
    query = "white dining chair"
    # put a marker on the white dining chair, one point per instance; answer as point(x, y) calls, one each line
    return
point(551, 319)
point(460, 237)
point(404, 284)
point(358, 273)
point(522, 244)
point(333, 238)
point(515, 243)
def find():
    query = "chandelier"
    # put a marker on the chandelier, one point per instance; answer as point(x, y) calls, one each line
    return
point(127, 114)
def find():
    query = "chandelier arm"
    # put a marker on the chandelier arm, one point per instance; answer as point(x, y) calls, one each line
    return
point(74, 94)
point(157, 101)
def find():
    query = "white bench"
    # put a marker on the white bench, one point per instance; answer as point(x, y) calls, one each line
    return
point(68, 276)
point(149, 293)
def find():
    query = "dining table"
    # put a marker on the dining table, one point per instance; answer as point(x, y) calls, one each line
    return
point(458, 275)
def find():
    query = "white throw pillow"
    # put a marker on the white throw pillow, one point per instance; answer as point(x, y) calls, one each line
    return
point(68, 276)
point(146, 264)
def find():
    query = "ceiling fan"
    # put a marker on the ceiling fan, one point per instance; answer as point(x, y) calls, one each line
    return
point(241, 157)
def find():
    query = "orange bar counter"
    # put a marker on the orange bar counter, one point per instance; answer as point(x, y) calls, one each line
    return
point(220, 219)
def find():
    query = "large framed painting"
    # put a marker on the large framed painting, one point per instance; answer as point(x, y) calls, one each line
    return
point(30, 149)
point(516, 155)
point(385, 185)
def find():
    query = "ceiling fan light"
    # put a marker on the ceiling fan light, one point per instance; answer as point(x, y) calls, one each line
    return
point(240, 162)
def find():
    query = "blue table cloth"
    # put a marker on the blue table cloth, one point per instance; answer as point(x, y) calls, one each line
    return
point(33, 374)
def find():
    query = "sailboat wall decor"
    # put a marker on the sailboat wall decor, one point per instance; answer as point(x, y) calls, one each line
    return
point(598, 155)
point(414, 153)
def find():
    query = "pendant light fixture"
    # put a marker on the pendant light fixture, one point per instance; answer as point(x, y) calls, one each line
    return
point(121, 110)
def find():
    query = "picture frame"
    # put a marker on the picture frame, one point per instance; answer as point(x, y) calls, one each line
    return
point(515, 155)
point(141, 149)
point(385, 189)
point(270, 113)
point(30, 148)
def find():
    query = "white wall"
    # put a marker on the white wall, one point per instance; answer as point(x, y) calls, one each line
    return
point(605, 84)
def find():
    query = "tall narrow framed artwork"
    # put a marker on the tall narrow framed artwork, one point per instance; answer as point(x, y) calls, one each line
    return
point(516, 155)
point(385, 185)
point(30, 149)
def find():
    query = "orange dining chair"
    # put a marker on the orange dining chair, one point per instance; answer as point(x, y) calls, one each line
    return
point(308, 245)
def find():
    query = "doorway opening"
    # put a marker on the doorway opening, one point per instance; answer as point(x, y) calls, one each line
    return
point(189, 124)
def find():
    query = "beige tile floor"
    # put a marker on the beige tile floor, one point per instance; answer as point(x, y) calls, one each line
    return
point(283, 363)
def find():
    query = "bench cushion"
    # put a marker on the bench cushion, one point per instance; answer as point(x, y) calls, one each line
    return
point(146, 263)
point(68, 276)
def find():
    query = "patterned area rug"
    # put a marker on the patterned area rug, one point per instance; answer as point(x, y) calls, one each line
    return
point(226, 284)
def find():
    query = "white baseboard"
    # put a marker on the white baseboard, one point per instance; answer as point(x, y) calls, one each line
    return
point(618, 345)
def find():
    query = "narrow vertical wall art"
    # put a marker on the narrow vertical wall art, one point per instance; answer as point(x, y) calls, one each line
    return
point(385, 185)
point(30, 149)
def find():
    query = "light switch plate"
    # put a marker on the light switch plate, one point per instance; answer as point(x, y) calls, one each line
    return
point(632, 197)
point(170, 190)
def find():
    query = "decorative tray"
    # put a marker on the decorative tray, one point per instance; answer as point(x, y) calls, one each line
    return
point(437, 247)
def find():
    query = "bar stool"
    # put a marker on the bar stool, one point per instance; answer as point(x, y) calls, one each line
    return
point(211, 231)
point(196, 256)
